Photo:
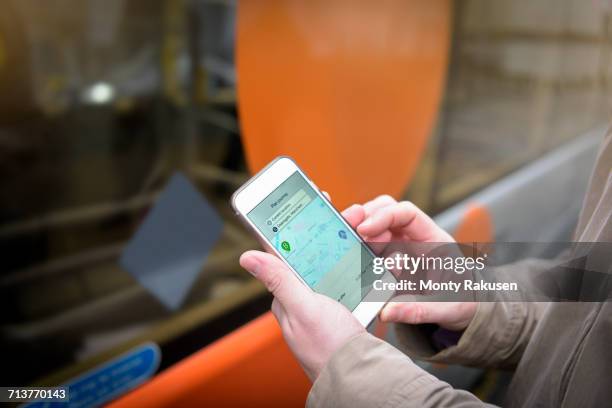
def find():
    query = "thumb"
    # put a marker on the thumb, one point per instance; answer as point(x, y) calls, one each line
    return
point(413, 312)
point(277, 278)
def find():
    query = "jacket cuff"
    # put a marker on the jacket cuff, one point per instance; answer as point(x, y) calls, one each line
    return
point(352, 377)
point(487, 341)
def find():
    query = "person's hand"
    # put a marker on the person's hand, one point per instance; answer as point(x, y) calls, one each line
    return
point(387, 220)
point(314, 325)
point(449, 315)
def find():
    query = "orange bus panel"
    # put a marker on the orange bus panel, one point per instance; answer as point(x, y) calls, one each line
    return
point(251, 367)
point(476, 225)
point(348, 89)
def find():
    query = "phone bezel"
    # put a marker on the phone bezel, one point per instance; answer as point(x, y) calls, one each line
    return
point(256, 189)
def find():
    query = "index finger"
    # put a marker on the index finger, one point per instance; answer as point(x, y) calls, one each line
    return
point(403, 216)
point(378, 203)
point(354, 215)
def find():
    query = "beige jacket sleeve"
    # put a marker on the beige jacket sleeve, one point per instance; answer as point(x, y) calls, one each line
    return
point(368, 372)
point(497, 335)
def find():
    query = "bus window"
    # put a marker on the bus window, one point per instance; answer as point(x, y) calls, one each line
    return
point(524, 77)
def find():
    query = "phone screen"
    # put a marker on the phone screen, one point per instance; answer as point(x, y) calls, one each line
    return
point(313, 240)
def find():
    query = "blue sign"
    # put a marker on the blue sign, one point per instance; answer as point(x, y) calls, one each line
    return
point(110, 380)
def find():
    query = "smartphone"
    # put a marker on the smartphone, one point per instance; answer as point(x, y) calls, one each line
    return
point(294, 220)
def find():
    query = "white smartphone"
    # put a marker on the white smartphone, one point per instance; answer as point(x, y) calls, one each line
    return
point(291, 216)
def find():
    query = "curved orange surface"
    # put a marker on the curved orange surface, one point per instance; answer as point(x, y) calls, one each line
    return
point(251, 367)
point(475, 226)
point(348, 89)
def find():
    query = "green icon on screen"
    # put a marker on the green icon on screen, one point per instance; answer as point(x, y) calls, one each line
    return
point(285, 245)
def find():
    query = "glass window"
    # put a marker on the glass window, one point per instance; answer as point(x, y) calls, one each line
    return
point(524, 77)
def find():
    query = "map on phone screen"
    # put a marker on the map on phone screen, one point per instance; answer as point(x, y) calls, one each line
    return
point(312, 239)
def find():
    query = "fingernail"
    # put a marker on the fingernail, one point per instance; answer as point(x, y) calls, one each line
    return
point(250, 263)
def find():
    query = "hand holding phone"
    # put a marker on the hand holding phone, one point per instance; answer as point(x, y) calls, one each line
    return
point(295, 221)
point(313, 325)
point(317, 250)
